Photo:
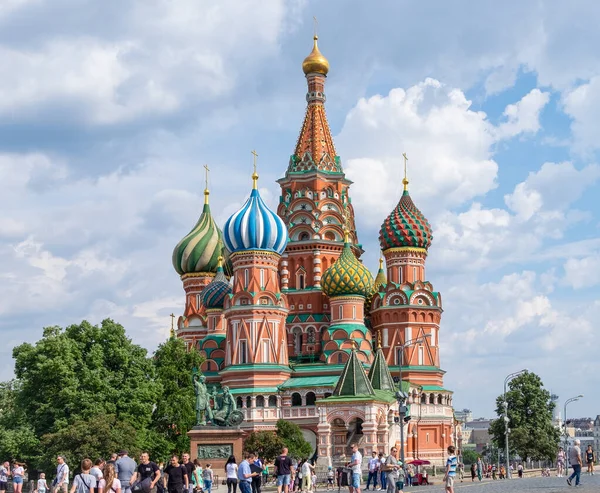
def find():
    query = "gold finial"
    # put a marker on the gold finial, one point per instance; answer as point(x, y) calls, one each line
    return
point(354, 345)
point(206, 191)
point(347, 221)
point(255, 174)
point(405, 180)
point(379, 334)
point(220, 262)
point(380, 263)
point(172, 325)
point(315, 25)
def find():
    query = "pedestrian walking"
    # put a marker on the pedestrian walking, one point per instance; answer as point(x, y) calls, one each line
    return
point(109, 477)
point(520, 470)
point(560, 463)
point(61, 481)
point(125, 468)
point(391, 466)
point(373, 470)
point(189, 467)
point(479, 469)
point(4, 474)
point(356, 466)
point(245, 474)
point(590, 458)
point(176, 476)
point(208, 477)
point(382, 473)
point(575, 460)
point(256, 467)
point(148, 473)
point(284, 471)
point(97, 468)
point(231, 474)
point(330, 478)
point(18, 473)
point(450, 474)
point(84, 482)
point(42, 486)
point(473, 472)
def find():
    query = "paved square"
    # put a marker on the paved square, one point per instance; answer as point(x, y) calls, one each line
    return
point(527, 485)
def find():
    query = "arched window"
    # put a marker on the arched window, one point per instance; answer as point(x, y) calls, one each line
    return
point(311, 337)
point(311, 399)
point(272, 401)
point(431, 399)
point(329, 236)
point(239, 403)
point(340, 358)
point(440, 399)
point(296, 399)
point(341, 312)
point(248, 401)
point(301, 281)
point(304, 237)
point(260, 401)
point(423, 399)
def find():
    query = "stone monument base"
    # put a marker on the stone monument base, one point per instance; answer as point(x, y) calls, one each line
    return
point(214, 445)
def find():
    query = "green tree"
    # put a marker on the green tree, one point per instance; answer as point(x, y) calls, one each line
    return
point(469, 456)
point(291, 434)
point(174, 414)
point(532, 434)
point(84, 374)
point(98, 436)
point(265, 443)
point(17, 438)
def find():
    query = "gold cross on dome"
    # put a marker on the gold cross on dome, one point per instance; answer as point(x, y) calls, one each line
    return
point(172, 325)
point(405, 180)
point(206, 174)
point(255, 156)
point(315, 24)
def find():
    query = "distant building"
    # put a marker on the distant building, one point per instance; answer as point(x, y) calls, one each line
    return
point(464, 415)
point(597, 433)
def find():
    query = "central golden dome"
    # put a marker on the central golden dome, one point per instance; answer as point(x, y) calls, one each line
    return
point(315, 62)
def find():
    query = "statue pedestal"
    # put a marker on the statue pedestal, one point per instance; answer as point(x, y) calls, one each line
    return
point(214, 445)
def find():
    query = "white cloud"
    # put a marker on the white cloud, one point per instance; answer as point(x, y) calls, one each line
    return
point(582, 104)
point(169, 55)
point(583, 272)
point(524, 116)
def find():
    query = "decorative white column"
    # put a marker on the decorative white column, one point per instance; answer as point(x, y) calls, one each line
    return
point(317, 268)
point(285, 273)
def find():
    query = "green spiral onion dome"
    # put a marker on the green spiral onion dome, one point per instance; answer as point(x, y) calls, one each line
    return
point(347, 276)
point(406, 226)
point(200, 249)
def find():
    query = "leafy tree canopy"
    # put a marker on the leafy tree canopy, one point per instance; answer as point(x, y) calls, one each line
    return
point(291, 434)
point(174, 414)
point(265, 443)
point(469, 456)
point(532, 434)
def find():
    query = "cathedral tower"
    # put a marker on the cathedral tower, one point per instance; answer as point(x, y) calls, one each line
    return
point(256, 354)
point(314, 195)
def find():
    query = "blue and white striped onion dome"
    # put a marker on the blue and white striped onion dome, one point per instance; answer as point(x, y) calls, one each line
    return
point(255, 227)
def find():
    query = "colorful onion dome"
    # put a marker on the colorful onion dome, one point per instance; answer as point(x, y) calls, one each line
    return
point(406, 226)
point(213, 295)
point(347, 276)
point(315, 62)
point(255, 226)
point(200, 249)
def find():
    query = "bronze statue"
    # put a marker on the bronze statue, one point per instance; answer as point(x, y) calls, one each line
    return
point(203, 409)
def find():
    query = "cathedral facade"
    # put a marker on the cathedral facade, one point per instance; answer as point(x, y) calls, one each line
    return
point(288, 317)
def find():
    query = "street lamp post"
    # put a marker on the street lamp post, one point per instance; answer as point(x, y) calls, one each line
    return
point(567, 402)
point(506, 429)
point(400, 395)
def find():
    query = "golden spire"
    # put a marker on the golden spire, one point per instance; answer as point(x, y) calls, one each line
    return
point(379, 334)
point(315, 62)
point(255, 174)
point(380, 262)
point(172, 325)
point(346, 223)
point(206, 191)
point(220, 262)
point(405, 180)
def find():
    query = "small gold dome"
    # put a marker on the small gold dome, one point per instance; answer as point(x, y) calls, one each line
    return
point(315, 62)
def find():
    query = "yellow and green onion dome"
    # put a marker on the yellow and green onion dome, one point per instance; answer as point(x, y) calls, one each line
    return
point(347, 276)
point(406, 226)
point(200, 249)
point(213, 295)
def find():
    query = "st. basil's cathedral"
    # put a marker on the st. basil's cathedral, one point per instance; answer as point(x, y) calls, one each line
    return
point(288, 317)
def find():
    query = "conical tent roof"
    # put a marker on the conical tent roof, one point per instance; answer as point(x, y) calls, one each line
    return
point(353, 380)
point(379, 373)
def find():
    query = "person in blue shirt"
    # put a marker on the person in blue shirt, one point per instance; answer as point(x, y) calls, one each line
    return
point(245, 474)
point(451, 464)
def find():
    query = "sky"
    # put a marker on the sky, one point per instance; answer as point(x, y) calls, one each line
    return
point(109, 111)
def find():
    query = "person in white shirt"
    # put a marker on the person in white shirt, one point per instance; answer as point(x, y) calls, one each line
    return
point(61, 481)
point(374, 464)
point(356, 466)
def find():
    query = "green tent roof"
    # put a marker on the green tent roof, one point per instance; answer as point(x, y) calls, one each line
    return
point(353, 381)
point(379, 373)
